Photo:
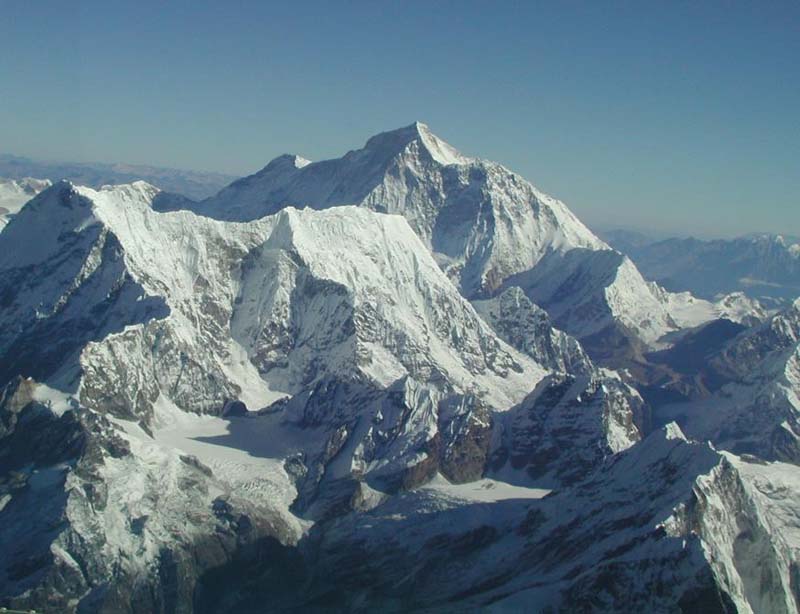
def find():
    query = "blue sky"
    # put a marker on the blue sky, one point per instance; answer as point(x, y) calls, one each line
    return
point(679, 116)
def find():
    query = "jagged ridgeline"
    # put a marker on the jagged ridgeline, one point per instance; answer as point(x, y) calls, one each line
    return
point(377, 383)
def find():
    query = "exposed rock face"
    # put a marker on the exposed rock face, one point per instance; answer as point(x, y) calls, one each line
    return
point(574, 419)
point(389, 439)
point(527, 327)
point(566, 427)
point(303, 411)
point(202, 311)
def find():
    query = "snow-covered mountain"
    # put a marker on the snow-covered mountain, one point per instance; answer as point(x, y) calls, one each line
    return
point(300, 295)
point(364, 406)
point(758, 265)
point(487, 227)
point(144, 338)
point(756, 408)
point(16, 192)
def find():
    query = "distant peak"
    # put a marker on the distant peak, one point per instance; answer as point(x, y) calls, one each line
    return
point(394, 141)
point(398, 137)
point(287, 161)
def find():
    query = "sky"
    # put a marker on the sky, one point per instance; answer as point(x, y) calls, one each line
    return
point(678, 117)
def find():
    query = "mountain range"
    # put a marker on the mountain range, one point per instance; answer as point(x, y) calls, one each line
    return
point(193, 184)
point(401, 380)
point(762, 266)
point(488, 228)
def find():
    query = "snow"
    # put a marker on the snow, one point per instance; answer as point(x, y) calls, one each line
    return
point(690, 311)
point(246, 454)
point(485, 490)
point(391, 281)
point(56, 401)
point(673, 431)
point(442, 152)
point(775, 486)
point(347, 308)
point(391, 274)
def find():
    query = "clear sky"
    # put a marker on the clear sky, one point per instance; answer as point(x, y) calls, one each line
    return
point(682, 116)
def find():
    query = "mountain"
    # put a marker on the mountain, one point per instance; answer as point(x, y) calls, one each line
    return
point(16, 192)
point(487, 227)
point(167, 377)
point(755, 406)
point(191, 184)
point(762, 265)
point(626, 240)
point(527, 327)
point(320, 410)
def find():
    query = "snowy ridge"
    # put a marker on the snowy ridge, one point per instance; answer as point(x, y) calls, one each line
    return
point(212, 311)
point(528, 328)
point(453, 202)
point(94, 512)
point(157, 314)
point(202, 312)
point(338, 403)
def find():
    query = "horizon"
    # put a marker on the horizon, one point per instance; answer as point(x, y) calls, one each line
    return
point(678, 119)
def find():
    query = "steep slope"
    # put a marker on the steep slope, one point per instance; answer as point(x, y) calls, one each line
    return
point(16, 192)
point(486, 226)
point(396, 440)
point(759, 265)
point(528, 327)
point(95, 519)
point(574, 419)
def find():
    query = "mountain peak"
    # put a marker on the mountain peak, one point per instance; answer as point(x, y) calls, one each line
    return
point(287, 161)
point(395, 141)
